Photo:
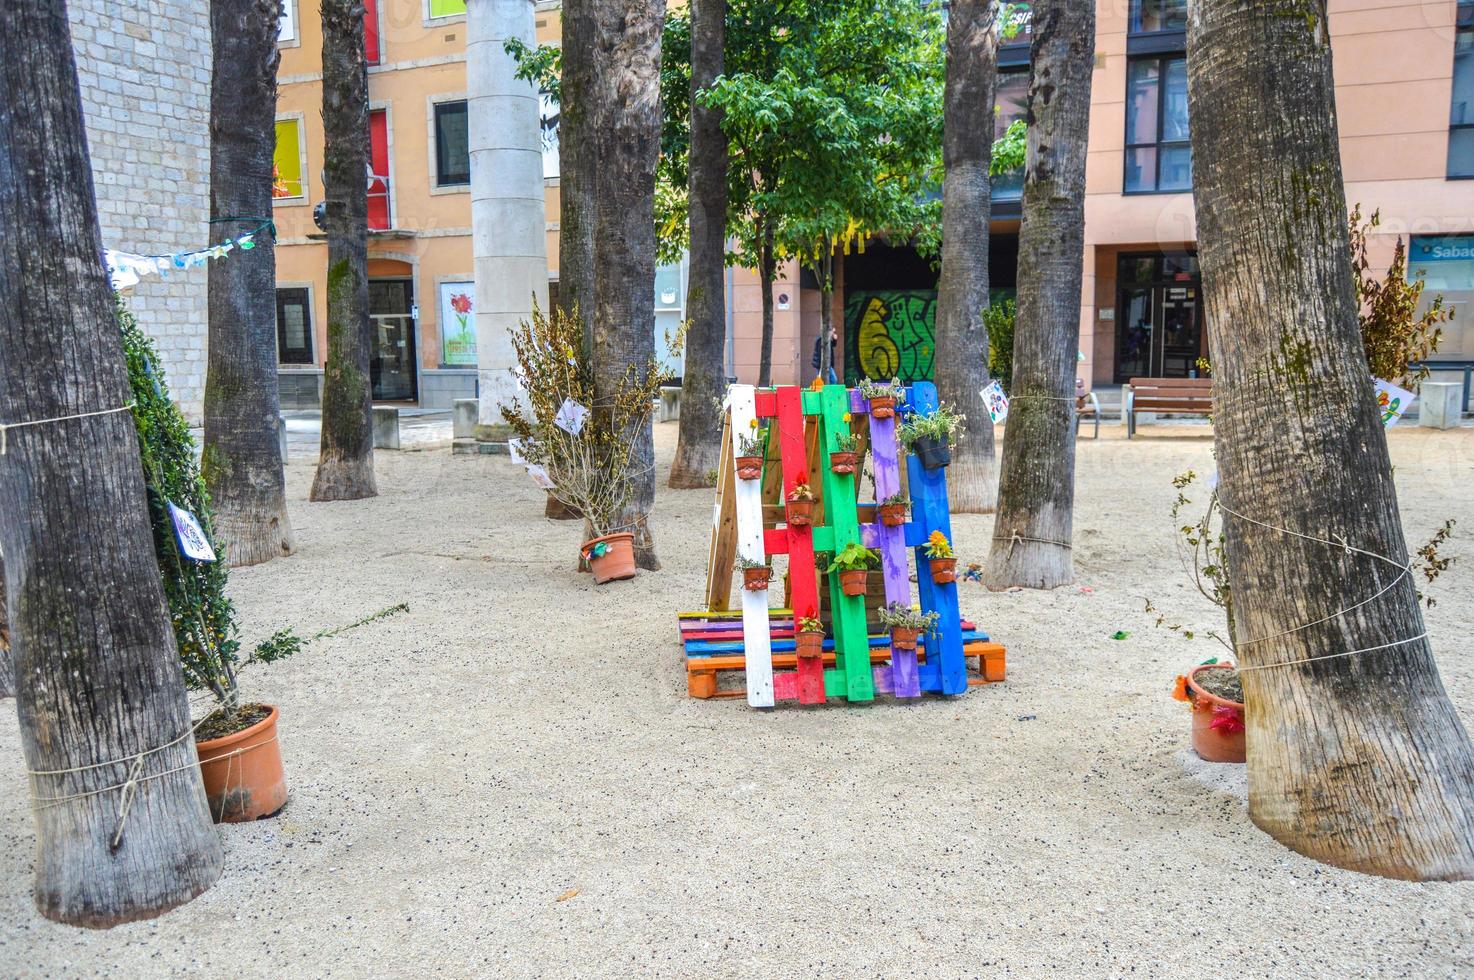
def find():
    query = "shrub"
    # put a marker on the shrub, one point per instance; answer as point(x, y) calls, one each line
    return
point(999, 317)
point(1392, 332)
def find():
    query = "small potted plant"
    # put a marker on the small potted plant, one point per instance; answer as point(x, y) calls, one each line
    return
point(931, 437)
point(750, 453)
point(1216, 695)
point(943, 561)
point(755, 574)
point(808, 639)
point(882, 395)
point(853, 563)
point(801, 506)
point(892, 510)
point(906, 624)
point(846, 453)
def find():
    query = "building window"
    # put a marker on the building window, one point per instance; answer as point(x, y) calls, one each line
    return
point(452, 150)
point(1158, 155)
point(1013, 104)
point(1461, 113)
point(447, 8)
point(293, 326)
point(286, 169)
point(371, 31)
point(379, 217)
point(286, 32)
point(1155, 16)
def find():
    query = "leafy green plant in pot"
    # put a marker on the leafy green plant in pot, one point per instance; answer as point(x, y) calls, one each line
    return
point(930, 437)
point(906, 624)
point(240, 757)
point(883, 396)
point(853, 563)
point(808, 637)
point(755, 574)
point(845, 457)
point(587, 464)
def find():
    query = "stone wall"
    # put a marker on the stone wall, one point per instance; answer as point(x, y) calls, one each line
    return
point(144, 67)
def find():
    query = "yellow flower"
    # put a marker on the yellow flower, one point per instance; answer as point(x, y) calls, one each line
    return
point(752, 424)
point(846, 416)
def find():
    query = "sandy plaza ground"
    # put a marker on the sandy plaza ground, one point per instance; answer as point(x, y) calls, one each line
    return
point(510, 779)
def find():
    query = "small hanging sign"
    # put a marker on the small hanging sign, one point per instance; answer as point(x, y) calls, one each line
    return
point(996, 400)
point(192, 541)
point(1392, 402)
point(540, 476)
point(570, 417)
point(514, 450)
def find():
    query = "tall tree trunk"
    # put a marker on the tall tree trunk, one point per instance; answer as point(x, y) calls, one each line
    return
point(104, 722)
point(1036, 492)
point(1355, 758)
point(962, 291)
point(7, 662)
point(345, 468)
point(242, 460)
point(578, 153)
point(703, 379)
point(627, 101)
point(826, 310)
point(766, 273)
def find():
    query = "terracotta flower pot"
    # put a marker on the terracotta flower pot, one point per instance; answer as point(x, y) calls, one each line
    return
point(852, 581)
point(243, 774)
point(809, 643)
point(842, 463)
point(943, 570)
point(800, 513)
point(756, 579)
point(904, 639)
point(749, 467)
point(1217, 724)
point(617, 561)
point(892, 515)
point(883, 407)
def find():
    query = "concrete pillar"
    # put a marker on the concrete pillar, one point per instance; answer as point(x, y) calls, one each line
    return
point(463, 418)
point(508, 217)
point(386, 428)
point(1440, 404)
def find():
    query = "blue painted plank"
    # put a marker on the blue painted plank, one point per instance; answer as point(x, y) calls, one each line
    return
point(712, 648)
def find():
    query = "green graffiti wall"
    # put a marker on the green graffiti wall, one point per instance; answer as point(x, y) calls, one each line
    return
point(888, 334)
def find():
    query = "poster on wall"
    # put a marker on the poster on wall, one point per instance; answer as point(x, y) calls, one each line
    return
point(458, 323)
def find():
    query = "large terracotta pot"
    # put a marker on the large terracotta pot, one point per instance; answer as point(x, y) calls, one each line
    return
point(1217, 724)
point(244, 778)
point(808, 644)
point(617, 561)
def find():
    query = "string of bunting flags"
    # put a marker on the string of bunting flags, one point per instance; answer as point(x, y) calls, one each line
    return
point(127, 269)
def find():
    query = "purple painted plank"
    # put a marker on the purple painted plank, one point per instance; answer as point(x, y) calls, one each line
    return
point(892, 543)
point(882, 680)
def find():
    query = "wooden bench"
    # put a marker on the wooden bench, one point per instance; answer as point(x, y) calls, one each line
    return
point(1179, 396)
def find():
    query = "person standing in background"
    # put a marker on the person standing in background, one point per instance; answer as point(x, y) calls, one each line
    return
point(830, 376)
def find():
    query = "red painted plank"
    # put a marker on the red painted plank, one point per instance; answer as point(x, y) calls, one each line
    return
point(803, 583)
point(775, 541)
point(767, 404)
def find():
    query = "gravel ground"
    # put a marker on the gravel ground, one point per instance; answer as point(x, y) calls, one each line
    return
point(521, 736)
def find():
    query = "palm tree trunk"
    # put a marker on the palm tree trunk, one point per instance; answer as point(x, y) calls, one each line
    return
point(826, 310)
point(1036, 492)
point(242, 460)
point(7, 662)
point(578, 148)
point(1355, 758)
point(766, 272)
point(703, 379)
point(962, 291)
point(103, 698)
point(345, 468)
point(627, 87)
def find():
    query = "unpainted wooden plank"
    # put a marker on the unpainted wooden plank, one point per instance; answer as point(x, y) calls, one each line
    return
point(723, 525)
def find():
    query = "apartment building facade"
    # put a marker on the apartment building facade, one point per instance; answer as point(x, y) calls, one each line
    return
point(1405, 99)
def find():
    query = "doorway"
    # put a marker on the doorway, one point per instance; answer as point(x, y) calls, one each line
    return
point(392, 337)
point(1159, 316)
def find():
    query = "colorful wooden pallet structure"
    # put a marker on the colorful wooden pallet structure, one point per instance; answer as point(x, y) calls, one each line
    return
point(804, 428)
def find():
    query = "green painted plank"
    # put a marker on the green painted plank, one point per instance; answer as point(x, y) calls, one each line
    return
point(842, 517)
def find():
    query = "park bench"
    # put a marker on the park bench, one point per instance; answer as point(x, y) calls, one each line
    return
point(1177, 396)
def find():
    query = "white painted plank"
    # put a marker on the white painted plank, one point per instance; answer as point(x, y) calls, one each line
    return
point(756, 641)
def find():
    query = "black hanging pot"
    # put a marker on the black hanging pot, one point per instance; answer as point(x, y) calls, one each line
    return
point(933, 453)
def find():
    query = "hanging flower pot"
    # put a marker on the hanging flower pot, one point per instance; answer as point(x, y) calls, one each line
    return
point(611, 557)
point(800, 513)
point(842, 463)
point(892, 514)
point(756, 579)
point(243, 774)
point(853, 582)
point(808, 639)
point(933, 453)
point(943, 570)
point(1217, 718)
point(749, 467)
point(883, 407)
point(904, 639)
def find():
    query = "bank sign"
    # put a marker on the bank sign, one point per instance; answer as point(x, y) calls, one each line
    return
point(1440, 248)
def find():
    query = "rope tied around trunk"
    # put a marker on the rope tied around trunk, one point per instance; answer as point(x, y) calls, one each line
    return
point(6, 426)
point(1016, 537)
point(1404, 568)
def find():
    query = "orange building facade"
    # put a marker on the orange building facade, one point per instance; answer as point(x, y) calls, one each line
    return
point(1405, 99)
